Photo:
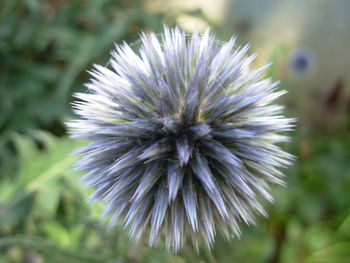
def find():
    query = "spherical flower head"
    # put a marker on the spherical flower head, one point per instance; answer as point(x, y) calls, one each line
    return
point(182, 138)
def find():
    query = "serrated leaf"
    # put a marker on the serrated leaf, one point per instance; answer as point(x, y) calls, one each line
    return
point(37, 168)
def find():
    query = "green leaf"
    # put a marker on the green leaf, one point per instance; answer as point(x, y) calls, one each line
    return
point(337, 253)
point(37, 171)
point(278, 51)
point(52, 252)
point(57, 232)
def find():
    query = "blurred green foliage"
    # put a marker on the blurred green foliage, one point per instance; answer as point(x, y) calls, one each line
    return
point(45, 48)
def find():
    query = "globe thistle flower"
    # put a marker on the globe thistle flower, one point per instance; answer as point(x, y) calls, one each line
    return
point(182, 138)
point(302, 61)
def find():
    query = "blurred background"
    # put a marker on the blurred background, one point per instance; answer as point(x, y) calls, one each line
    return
point(46, 46)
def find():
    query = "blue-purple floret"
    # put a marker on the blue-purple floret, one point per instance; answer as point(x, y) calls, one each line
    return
point(182, 138)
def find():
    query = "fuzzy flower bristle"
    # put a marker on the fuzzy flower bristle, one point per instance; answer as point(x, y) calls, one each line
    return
point(182, 138)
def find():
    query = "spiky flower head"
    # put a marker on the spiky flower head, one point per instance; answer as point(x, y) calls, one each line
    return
point(182, 137)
